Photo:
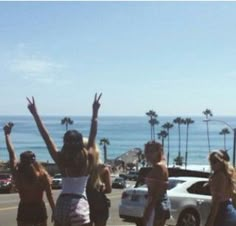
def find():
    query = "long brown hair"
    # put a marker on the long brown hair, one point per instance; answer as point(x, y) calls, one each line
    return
point(29, 171)
point(73, 152)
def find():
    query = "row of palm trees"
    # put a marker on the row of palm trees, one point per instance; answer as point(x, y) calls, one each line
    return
point(163, 134)
point(104, 142)
point(208, 113)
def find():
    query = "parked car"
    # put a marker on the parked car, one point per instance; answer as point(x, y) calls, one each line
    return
point(119, 182)
point(57, 181)
point(123, 175)
point(6, 182)
point(132, 175)
point(189, 196)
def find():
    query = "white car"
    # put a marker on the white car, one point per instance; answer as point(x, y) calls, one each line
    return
point(189, 196)
point(57, 181)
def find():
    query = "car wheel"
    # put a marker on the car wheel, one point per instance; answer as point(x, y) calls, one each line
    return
point(188, 218)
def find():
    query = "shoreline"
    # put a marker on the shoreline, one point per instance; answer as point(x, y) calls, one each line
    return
point(51, 168)
point(129, 156)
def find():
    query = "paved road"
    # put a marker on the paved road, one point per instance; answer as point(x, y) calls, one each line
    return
point(9, 202)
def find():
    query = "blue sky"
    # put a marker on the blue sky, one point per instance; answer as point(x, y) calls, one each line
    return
point(177, 58)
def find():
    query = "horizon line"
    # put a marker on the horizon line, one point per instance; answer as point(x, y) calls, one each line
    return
point(73, 115)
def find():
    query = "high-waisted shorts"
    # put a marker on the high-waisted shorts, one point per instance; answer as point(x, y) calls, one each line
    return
point(72, 210)
point(162, 208)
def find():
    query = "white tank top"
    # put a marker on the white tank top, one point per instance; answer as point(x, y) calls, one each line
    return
point(74, 185)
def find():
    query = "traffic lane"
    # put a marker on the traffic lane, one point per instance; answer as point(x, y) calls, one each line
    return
point(9, 203)
point(114, 219)
point(8, 200)
point(8, 209)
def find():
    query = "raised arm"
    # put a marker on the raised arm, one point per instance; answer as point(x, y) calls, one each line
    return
point(43, 131)
point(12, 156)
point(93, 128)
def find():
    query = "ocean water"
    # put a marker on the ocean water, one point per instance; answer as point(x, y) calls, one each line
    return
point(124, 133)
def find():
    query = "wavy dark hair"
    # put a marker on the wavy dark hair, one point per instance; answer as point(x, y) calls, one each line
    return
point(73, 152)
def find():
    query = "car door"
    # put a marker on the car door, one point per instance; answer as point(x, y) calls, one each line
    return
point(201, 192)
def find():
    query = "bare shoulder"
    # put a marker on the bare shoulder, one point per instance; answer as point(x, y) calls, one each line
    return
point(160, 171)
point(164, 168)
point(104, 168)
point(45, 178)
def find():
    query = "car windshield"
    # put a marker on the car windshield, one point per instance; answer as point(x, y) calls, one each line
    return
point(57, 176)
point(3, 177)
point(118, 180)
point(133, 173)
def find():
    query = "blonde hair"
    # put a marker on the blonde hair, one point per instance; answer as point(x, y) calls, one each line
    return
point(222, 157)
point(96, 167)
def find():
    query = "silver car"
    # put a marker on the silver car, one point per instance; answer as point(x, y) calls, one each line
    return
point(189, 196)
point(57, 181)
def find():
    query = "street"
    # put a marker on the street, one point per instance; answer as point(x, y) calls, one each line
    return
point(9, 203)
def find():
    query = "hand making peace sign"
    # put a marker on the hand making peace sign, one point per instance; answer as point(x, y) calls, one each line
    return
point(31, 106)
point(96, 103)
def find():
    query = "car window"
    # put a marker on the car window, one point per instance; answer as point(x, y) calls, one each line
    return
point(133, 173)
point(3, 177)
point(57, 176)
point(173, 183)
point(118, 180)
point(200, 188)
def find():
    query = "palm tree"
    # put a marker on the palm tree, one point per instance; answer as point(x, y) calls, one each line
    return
point(162, 135)
point(179, 121)
point(224, 131)
point(168, 126)
point(67, 121)
point(153, 121)
point(187, 121)
point(104, 142)
point(208, 114)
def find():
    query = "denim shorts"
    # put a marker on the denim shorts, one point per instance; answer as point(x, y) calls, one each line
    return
point(162, 209)
point(226, 215)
